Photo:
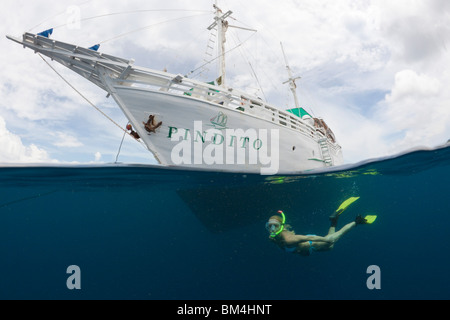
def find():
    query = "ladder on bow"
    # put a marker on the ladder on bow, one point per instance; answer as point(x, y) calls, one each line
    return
point(326, 156)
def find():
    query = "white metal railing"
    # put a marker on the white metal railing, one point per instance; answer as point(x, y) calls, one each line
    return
point(226, 97)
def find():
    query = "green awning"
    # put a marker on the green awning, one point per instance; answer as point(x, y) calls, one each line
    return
point(299, 112)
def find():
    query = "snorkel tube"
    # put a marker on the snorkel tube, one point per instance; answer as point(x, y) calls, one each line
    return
point(273, 235)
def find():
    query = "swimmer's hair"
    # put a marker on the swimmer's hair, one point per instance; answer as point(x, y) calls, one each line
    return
point(278, 218)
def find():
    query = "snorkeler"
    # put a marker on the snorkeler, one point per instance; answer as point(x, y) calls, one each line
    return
point(282, 234)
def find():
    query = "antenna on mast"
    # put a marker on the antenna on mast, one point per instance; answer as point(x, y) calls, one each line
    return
point(291, 80)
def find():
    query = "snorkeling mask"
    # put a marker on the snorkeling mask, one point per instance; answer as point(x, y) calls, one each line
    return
point(274, 227)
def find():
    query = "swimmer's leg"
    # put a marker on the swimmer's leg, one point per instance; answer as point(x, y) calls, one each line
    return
point(331, 230)
point(335, 236)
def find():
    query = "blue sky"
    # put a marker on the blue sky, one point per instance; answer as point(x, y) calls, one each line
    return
point(376, 71)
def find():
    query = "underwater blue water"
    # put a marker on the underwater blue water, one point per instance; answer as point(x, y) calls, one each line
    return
point(140, 232)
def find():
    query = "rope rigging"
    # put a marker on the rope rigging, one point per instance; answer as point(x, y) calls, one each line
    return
point(91, 103)
point(216, 58)
point(194, 73)
point(151, 26)
point(115, 14)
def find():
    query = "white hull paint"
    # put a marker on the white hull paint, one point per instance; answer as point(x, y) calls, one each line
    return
point(179, 114)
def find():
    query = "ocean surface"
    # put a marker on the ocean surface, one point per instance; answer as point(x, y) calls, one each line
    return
point(144, 232)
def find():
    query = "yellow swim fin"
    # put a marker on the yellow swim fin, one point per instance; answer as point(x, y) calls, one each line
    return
point(346, 204)
point(370, 219)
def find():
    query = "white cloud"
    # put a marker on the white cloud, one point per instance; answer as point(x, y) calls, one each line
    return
point(417, 31)
point(64, 140)
point(12, 150)
point(419, 107)
point(98, 156)
point(409, 86)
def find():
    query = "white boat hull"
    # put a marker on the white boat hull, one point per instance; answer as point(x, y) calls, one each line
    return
point(188, 137)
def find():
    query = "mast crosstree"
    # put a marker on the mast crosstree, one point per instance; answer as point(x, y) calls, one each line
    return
point(291, 80)
point(222, 26)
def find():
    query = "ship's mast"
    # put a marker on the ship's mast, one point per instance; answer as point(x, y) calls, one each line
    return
point(222, 27)
point(291, 80)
